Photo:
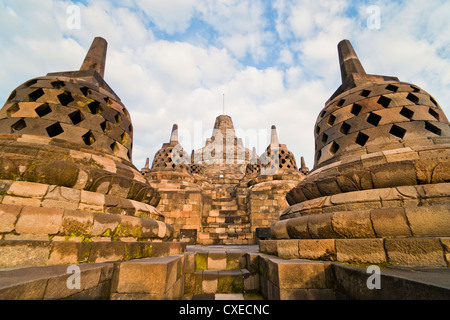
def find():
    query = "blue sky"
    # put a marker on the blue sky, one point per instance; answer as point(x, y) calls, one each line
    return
point(276, 61)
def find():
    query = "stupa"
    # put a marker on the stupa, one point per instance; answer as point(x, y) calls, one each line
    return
point(379, 191)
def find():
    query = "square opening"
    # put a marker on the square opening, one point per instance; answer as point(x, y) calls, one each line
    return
point(345, 128)
point(384, 101)
point(407, 113)
point(331, 119)
point(361, 139)
point(65, 98)
point(413, 98)
point(43, 110)
point(365, 93)
point(392, 88)
point(397, 131)
point(54, 130)
point(76, 117)
point(356, 109)
point(373, 119)
point(432, 128)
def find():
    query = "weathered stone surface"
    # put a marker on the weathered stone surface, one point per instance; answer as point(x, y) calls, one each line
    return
point(8, 217)
point(39, 220)
point(416, 251)
point(353, 224)
point(390, 222)
point(429, 220)
point(288, 249)
point(23, 253)
point(318, 249)
point(361, 250)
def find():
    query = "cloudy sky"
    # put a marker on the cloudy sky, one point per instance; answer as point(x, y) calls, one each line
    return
point(275, 62)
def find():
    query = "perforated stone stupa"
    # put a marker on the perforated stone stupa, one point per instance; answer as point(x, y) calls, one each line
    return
point(68, 190)
point(379, 191)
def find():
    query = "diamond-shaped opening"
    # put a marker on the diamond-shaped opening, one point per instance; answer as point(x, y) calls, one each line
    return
point(322, 113)
point(19, 125)
point(392, 88)
point(397, 131)
point(413, 98)
point(125, 137)
point(12, 95)
point(65, 98)
point(331, 119)
point(114, 147)
point(345, 128)
point(407, 113)
point(130, 130)
point(317, 129)
point(118, 118)
point(415, 89)
point(432, 128)
point(373, 119)
point(94, 107)
point(13, 109)
point(85, 91)
point(105, 126)
point(76, 117)
point(108, 101)
point(36, 94)
point(361, 139)
point(433, 101)
point(58, 84)
point(125, 111)
point(54, 130)
point(365, 93)
point(434, 113)
point(384, 101)
point(356, 109)
point(324, 138)
point(129, 154)
point(43, 110)
point(88, 138)
point(334, 147)
point(341, 103)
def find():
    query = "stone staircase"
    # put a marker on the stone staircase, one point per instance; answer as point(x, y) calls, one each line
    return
point(226, 224)
point(221, 275)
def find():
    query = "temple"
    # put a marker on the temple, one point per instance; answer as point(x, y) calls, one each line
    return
point(223, 220)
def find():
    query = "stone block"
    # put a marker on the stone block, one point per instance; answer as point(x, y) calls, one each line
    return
point(236, 260)
point(107, 251)
point(64, 253)
point(353, 224)
point(230, 281)
point(297, 227)
point(193, 283)
point(288, 249)
point(321, 249)
point(390, 222)
point(105, 224)
point(297, 274)
point(57, 286)
point(22, 253)
point(154, 276)
point(8, 217)
point(217, 260)
point(19, 201)
point(416, 251)
point(39, 220)
point(28, 189)
point(429, 220)
point(210, 279)
point(77, 223)
point(319, 226)
point(360, 250)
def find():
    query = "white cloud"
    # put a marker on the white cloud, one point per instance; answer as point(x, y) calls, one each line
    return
point(162, 81)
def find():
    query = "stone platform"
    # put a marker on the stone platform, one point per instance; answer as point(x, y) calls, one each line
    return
point(224, 272)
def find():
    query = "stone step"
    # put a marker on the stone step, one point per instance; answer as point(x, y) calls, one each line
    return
point(221, 281)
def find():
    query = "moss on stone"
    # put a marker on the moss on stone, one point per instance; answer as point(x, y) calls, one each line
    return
point(201, 261)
